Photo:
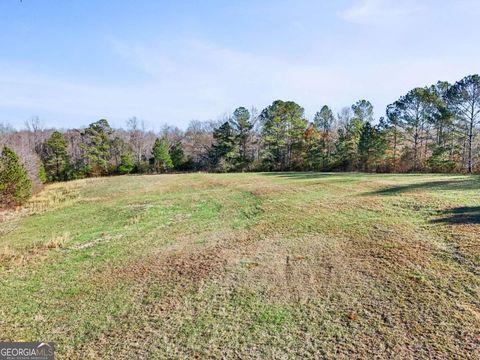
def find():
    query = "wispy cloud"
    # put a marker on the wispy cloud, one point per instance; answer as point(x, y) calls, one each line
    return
point(379, 11)
point(207, 75)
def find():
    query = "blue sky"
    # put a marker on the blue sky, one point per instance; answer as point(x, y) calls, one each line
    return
point(72, 62)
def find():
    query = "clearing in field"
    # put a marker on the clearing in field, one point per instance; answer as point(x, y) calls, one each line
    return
point(247, 266)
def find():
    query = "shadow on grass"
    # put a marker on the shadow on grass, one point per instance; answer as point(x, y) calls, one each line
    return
point(440, 185)
point(446, 184)
point(460, 215)
point(305, 175)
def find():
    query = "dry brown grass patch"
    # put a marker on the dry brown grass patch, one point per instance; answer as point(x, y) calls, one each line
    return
point(11, 258)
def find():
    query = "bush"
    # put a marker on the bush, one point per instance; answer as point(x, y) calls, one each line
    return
point(142, 167)
point(15, 186)
point(440, 162)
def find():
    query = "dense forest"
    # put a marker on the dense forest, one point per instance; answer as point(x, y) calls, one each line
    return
point(429, 129)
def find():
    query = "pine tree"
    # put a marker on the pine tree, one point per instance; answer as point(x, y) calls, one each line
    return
point(314, 156)
point(362, 113)
point(323, 122)
point(341, 155)
point(223, 153)
point(42, 175)
point(283, 131)
point(394, 136)
point(15, 186)
point(413, 111)
point(443, 150)
point(55, 157)
point(465, 100)
point(243, 127)
point(161, 158)
point(126, 165)
point(177, 155)
point(371, 148)
point(96, 144)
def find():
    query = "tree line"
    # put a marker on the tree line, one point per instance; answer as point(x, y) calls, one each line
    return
point(429, 129)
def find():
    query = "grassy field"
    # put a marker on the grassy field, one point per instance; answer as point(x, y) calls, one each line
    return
point(292, 265)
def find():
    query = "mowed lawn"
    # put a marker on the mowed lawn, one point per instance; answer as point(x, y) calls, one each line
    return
point(290, 265)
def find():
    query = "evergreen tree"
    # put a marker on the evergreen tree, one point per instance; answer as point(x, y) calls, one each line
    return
point(55, 157)
point(283, 134)
point(443, 116)
point(324, 119)
point(464, 98)
point(242, 126)
point(340, 158)
point(42, 175)
point(96, 145)
point(440, 161)
point(223, 153)
point(15, 186)
point(362, 113)
point(392, 128)
point(413, 112)
point(177, 155)
point(365, 146)
point(371, 147)
point(323, 122)
point(314, 157)
point(126, 164)
point(342, 154)
point(161, 158)
point(444, 151)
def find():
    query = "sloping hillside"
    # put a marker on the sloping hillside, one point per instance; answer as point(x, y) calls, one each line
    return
point(247, 266)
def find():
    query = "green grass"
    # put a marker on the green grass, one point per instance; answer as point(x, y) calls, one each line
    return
point(282, 265)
